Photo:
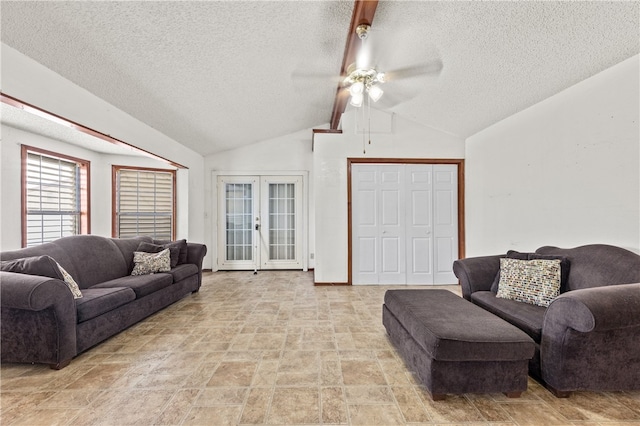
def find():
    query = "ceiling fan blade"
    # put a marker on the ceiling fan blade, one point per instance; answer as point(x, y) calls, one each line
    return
point(431, 68)
point(310, 74)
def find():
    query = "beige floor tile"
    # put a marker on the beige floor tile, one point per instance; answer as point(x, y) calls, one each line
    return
point(533, 414)
point(369, 395)
point(297, 405)
point(178, 407)
point(454, 409)
point(362, 373)
point(219, 416)
point(216, 396)
point(257, 406)
point(373, 415)
point(233, 374)
point(410, 405)
point(46, 416)
point(125, 407)
point(75, 398)
point(334, 407)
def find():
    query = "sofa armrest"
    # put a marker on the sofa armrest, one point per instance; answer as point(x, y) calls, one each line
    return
point(38, 319)
point(195, 254)
point(597, 308)
point(590, 340)
point(476, 273)
point(32, 292)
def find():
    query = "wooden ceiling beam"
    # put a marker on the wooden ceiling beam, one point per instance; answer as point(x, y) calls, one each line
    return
point(363, 12)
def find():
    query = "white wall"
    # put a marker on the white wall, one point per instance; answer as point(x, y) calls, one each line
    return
point(33, 83)
point(564, 172)
point(392, 137)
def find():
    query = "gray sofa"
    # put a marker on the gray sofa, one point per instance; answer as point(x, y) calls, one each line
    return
point(588, 338)
point(42, 322)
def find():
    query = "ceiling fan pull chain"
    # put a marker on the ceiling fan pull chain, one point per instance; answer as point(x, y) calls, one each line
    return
point(369, 114)
point(364, 136)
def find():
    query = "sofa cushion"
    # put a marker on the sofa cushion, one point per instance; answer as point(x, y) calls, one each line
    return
point(142, 285)
point(181, 272)
point(127, 246)
point(150, 263)
point(597, 265)
point(97, 301)
point(174, 251)
point(181, 244)
point(525, 316)
point(94, 259)
point(531, 281)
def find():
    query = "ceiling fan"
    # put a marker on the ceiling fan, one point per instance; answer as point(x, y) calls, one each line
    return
point(364, 78)
point(361, 78)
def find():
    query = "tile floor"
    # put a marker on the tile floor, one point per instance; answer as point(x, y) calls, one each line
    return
point(270, 349)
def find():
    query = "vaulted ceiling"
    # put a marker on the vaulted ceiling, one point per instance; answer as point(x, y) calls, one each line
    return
point(214, 75)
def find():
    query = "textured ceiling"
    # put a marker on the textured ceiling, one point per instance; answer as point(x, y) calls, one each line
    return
point(214, 75)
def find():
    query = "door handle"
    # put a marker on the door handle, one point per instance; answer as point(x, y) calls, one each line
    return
point(257, 226)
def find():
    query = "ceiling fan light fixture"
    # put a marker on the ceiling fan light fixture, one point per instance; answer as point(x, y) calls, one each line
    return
point(356, 88)
point(356, 100)
point(375, 93)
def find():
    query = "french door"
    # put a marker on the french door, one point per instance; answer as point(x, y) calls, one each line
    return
point(404, 223)
point(259, 222)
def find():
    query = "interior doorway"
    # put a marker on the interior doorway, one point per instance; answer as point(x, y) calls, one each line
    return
point(260, 222)
point(405, 221)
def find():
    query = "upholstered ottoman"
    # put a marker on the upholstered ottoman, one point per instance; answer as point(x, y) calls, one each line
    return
point(455, 346)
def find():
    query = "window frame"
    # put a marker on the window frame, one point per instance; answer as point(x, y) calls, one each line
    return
point(84, 186)
point(114, 197)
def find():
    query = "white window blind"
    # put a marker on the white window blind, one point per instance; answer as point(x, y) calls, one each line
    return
point(53, 208)
point(144, 201)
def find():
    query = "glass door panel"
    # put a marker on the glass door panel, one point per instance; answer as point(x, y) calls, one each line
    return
point(282, 217)
point(236, 224)
point(282, 221)
point(239, 221)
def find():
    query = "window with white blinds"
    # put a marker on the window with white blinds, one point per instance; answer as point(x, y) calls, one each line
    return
point(54, 196)
point(144, 203)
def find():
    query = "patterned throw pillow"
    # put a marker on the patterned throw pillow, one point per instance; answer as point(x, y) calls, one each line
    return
point(534, 281)
point(174, 252)
point(149, 263)
point(70, 282)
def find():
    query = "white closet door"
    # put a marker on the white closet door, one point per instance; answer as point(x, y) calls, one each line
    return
point(365, 232)
point(404, 223)
point(445, 188)
point(391, 232)
point(419, 232)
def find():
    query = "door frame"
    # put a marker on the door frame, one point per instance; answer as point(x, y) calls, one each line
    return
point(461, 229)
point(262, 173)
